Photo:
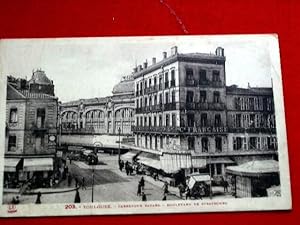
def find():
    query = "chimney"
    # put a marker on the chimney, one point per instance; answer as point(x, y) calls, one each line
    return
point(164, 55)
point(174, 50)
point(145, 64)
point(153, 60)
point(220, 51)
point(140, 68)
point(135, 69)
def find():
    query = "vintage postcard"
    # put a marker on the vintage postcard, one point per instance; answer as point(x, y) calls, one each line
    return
point(140, 125)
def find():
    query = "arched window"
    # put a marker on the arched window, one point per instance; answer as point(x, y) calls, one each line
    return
point(204, 143)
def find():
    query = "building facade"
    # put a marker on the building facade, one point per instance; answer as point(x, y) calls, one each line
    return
point(31, 128)
point(186, 116)
point(87, 121)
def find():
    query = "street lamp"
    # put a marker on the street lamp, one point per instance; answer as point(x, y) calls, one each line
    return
point(210, 183)
point(119, 150)
point(93, 171)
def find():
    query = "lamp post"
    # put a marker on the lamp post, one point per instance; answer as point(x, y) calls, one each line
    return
point(210, 183)
point(93, 170)
point(119, 150)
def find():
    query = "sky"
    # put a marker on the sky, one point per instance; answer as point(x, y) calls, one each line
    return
point(90, 67)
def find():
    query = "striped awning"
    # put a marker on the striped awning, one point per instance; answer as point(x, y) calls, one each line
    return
point(10, 164)
point(38, 164)
point(150, 160)
point(128, 156)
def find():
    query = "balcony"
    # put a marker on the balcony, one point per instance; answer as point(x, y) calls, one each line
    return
point(217, 84)
point(172, 83)
point(190, 83)
point(170, 106)
point(210, 106)
point(180, 130)
point(151, 89)
point(167, 84)
point(190, 105)
point(252, 130)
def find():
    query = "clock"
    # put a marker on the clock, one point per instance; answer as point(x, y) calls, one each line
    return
point(52, 138)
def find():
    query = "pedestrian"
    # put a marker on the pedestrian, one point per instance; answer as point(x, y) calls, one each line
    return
point(77, 197)
point(69, 180)
point(144, 197)
point(70, 160)
point(142, 182)
point(225, 185)
point(127, 169)
point(164, 198)
point(202, 191)
point(76, 182)
point(38, 199)
point(180, 189)
point(139, 189)
point(83, 183)
point(166, 188)
point(188, 193)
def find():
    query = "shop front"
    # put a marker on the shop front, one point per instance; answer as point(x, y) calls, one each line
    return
point(254, 178)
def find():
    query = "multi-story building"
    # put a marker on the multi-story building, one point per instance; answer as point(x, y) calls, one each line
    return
point(99, 120)
point(31, 120)
point(182, 114)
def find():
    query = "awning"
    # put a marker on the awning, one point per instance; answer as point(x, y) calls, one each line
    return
point(38, 164)
point(128, 156)
point(150, 160)
point(197, 178)
point(254, 168)
point(10, 164)
point(223, 160)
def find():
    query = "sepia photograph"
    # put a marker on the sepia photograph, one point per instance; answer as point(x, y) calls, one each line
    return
point(131, 125)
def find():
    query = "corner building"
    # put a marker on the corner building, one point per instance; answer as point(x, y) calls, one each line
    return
point(181, 112)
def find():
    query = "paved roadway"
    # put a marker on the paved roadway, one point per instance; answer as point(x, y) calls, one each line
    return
point(110, 184)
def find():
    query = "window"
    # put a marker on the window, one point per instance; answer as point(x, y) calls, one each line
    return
point(40, 118)
point(216, 76)
point(217, 120)
point(238, 123)
point(190, 96)
point(141, 102)
point(166, 98)
point(189, 77)
point(146, 141)
point(173, 96)
point(167, 120)
point(155, 140)
point(252, 143)
point(155, 81)
point(145, 121)
point(137, 87)
point(149, 82)
point(150, 122)
point(13, 115)
point(160, 120)
point(166, 80)
point(191, 143)
point(189, 74)
point(160, 98)
point(218, 144)
point(237, 143)
point(173, 78)
point(216, 97)
point(161, 142)
point(252, 121)
point(155, 99)
point(202, 96)
point(173, 120)
point(203, 120)
point(137, 103)
point(202, 77)
point(150, 101)
point(271, 143)
point(154, 122)
point(204, 143)
point(12, 143)
point(190, 120)
point(160, 82)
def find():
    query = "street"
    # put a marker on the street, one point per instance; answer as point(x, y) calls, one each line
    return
point(110, 184)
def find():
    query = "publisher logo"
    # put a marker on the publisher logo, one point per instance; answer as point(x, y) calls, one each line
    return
point(12, 209)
